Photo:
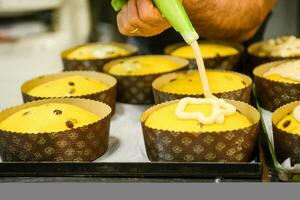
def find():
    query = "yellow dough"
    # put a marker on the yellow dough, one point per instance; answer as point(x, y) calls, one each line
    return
point(51, 117)
point(289, 124)
point(68, 86)
point(275, 77)
point(143, 65)
point(97, 51)
point(208, 50)
point(165, 119)
point(189, 83)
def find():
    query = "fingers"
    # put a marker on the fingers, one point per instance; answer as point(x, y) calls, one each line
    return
point(128, 21)
point(121, 17)
point(149, 13)
point(141, 18)
point(134, 22)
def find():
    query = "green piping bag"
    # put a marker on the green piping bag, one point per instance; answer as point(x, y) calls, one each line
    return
point(175, 13)
point(118, 4)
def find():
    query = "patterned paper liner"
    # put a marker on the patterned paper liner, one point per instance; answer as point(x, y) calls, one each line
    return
point(85, 143)
point(243, 94)
point(286, 144)
point(256, 60)
point(137, 89)
point(107, 96)
point(93, 64)
point(273, 94)
point(221, 62)
point(226, 146)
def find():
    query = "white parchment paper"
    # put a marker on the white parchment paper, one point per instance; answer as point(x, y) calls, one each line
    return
point(267, 119)
point(126, 142)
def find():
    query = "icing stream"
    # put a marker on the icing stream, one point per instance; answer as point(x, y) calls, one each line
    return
point(201, 69)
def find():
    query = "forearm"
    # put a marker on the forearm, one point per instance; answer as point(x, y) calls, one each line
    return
point(236, 20)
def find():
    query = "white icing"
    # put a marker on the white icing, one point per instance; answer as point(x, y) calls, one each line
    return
point(131, 65)
point(103, 51)
point(220, 109)
point(201, 69)
point(290, 70)
point(283, 46)
point(296, 113)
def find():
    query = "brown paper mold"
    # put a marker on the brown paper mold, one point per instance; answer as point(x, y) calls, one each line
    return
point(226, 146)
point(273, 94)
point(287, 145)
point(107, 96)
point(220, 62)
point(85, 143)
point(255, 60)
point(93, 64)
point(243, 94)
point(137, 89)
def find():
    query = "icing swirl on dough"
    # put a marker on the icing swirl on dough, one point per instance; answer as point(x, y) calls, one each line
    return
point(220, 109)
point(296, 113)
point(131, 65)
point(290, 70)
point(97, 51)
point(283, 46)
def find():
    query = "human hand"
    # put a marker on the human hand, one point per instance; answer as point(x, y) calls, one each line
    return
point(141, 18)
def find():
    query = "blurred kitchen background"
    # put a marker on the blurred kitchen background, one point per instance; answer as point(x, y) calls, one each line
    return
point(34, 32)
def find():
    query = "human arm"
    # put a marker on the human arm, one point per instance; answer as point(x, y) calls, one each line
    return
point(217, 19)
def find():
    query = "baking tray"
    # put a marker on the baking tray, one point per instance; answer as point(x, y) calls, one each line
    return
point(126, 158)
point(284, 173)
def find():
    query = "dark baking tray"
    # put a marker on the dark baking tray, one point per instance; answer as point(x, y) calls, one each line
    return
point(133, 170)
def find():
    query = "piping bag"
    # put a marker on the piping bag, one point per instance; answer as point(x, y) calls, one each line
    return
point(175, 13)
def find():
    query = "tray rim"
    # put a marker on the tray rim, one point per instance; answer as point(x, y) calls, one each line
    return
point(131, 170)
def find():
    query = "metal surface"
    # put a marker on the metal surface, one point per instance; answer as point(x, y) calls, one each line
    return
point(128, 171)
